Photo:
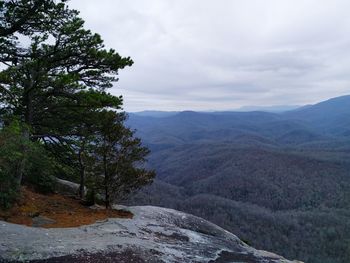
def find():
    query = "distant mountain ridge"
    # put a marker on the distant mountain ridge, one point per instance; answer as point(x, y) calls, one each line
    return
point(322, 121)
point(337, 104)
point(156, 114)
point(276, 108)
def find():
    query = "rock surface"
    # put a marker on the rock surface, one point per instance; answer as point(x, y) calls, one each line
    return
point(153, 235)
point(67, 187)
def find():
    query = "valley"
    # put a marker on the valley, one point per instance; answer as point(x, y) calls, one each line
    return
point(280, 181)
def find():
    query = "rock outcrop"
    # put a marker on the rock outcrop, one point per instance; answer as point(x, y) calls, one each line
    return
point(153, 235)
point(67, 188)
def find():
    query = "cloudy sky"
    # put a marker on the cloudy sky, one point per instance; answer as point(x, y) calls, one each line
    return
point(219, 55)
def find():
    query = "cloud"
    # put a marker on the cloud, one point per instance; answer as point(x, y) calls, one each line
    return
point(203, 54)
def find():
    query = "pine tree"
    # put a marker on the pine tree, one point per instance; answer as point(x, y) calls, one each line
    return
point(119, 158)
point(57, 87)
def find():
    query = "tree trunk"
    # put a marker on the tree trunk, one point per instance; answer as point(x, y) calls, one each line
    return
point(28, 115)
point(82, 173)
point(28, 99)
point(82, 183)
point(22, 162)
point(106, 180)
point(107, 198)
point(28, 119)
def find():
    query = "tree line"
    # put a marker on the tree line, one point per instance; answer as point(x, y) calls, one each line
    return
point(57, 116)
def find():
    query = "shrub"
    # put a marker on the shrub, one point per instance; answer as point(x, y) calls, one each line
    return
point(39, 169)
point(22, 161)
point(11, 158)
point(8, 189)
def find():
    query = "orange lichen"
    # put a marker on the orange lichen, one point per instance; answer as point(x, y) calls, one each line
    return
point(66, 211)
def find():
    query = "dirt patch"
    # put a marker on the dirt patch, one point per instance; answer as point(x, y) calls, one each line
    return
point(64, 211)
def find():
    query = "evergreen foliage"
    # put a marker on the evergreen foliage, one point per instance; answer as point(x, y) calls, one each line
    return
point(12, 144)
point(56, 86)
point(118, 158)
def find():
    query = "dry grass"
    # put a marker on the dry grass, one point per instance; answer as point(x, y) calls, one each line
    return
point(67, 212)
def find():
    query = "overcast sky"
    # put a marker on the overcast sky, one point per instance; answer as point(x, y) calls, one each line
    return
point(219, 55)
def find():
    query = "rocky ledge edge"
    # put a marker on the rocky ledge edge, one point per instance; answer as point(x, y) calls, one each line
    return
point(153, 235)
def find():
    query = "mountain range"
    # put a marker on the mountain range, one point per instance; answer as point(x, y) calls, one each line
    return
point(280, 181)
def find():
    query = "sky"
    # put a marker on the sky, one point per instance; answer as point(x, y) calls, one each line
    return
point(225, 54)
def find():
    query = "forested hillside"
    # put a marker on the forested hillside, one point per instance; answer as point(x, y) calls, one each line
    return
point(280, 181)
